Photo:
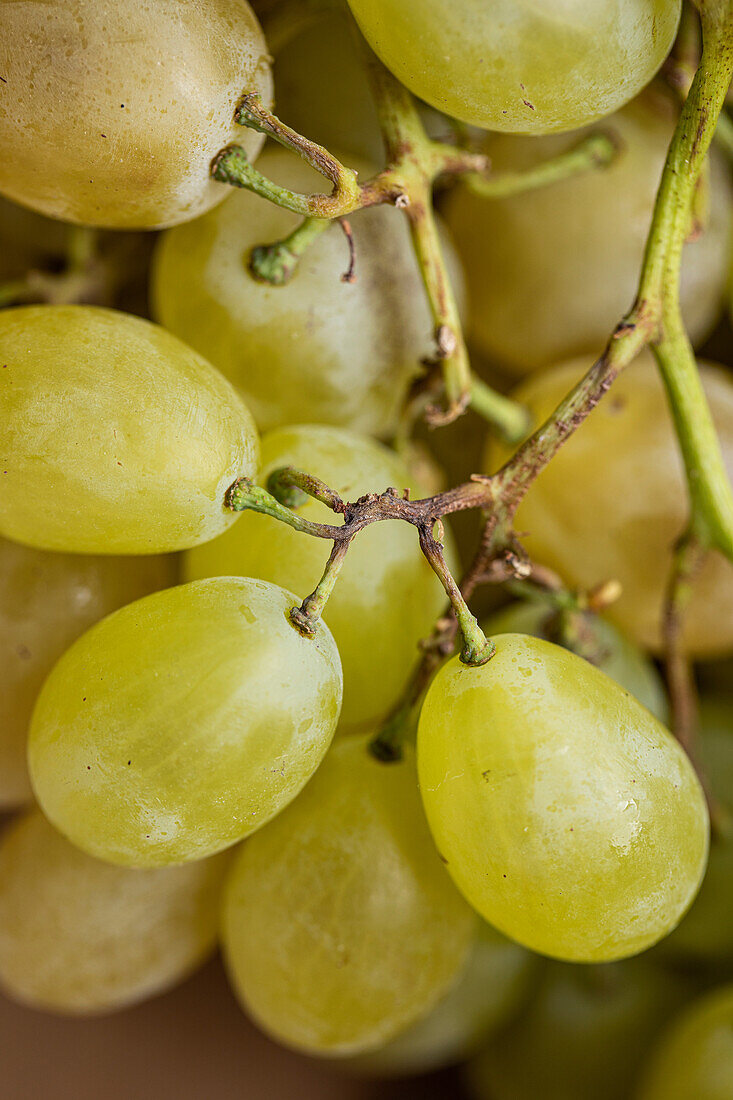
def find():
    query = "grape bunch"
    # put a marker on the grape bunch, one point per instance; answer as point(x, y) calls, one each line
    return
point(366, 545)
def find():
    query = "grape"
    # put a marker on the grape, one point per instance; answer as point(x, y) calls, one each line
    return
point(706, 933)
point(611, 652)
point(694, 1060)
point(127, 103)
point(80, 936)
point(584, 1035)
point(358, 345)
point(183, 722)
point(494, 982)
point(525, 66)
point(386, 597)
point(553, 270)
point(114, 436)
point(46, 602)
point(340, 925)
point(566, 813)
point(613, 502)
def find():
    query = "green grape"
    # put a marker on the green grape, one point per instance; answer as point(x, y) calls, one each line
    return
point(694, 1060)
point(552, 271)
point(524, 66)
point(358, 344)
point(115, 438)
point(183, 722)
point(566, 813)
point(494, 982)
point(340, 926)
point(583, 1036)
point(613, 502)
point(706, 933)
point(113, 113)
point(606, 648)
point(80, 936)
point(386, 597)
point(46, 602)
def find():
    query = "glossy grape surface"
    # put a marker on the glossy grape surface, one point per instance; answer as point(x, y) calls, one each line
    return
point(112, 114)
point(80, 936)
point(495, 981)
point(706, 933)
point(46, 602)
point(115, 438)
point(386, 597)
point(524, 66)
point(183, 722)
point(606, 648)
point(566, 813)
point(552, 271)
point(695, 1059)
point(613, 501)
point(340, 924)
point(583, 1035)
point(317, 350)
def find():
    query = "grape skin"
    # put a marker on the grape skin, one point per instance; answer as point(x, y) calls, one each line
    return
point(553, 270)
point(567, 814)
point(159, 82)
point(694, 1060)
point(46, 602)
point(386, 598)
point(80, 936)
point(183, 722)
point(110, 480)
point(613, 501)
point(358, 345)
point(523, 66)
point(340, 926)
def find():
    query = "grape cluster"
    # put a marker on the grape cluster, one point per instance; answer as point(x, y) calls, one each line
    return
point(284, 733)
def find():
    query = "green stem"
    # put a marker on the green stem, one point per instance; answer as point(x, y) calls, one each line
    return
point(292, 487)
point(511, 420)
point(308, 615)
point(598, 150)
point(243, 495)
point(476, 649)
point(276, 263)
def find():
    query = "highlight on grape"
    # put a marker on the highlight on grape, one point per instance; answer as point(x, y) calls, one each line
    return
point(366, 549)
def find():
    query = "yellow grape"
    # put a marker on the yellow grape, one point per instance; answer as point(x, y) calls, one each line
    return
point(706, 933)
point(340, 925)
point(525, 66)
point(317, 350)
point(183, 722)
point(694, 1059)
point(46, 602)
point(552, 271)
point(613, 501)
point(607, 648)
point(115, 438)
point(386, 597)
point(493, 984)
point(566, 813)
point(113, 113)
point(583, 1035)
point(80, 936)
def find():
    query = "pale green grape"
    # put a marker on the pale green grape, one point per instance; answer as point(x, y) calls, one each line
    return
point(494, 982)
point(613, 502)
point(582, 1037)
point(694, 1060)
point(183, 722)
point(46, 602)
point(340, 925)
point(606, 648)
point(318, 349)
point(113, 113)
point(525, 66)
point(553, 271)
point(115, 438)
point(386, 597)
point(80, 936)
point(706, 933)
point(566, 813)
